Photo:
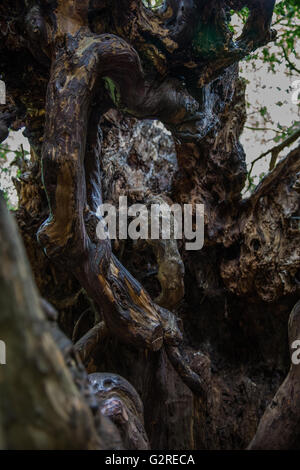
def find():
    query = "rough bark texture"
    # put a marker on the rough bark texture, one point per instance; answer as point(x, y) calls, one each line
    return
point(121, 100)
point(40, 405)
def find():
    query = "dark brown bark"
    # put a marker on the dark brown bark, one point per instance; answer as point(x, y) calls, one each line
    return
point(40, 406)
point(186, 329)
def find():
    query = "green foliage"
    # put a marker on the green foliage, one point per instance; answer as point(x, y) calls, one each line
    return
point(153, 3)
point(207, 40)
point(286, 131)
point(9, 160)
point(287, 21)
point(113, 90)
point(284, 51)
point(4, 149)
point(242, 14)
point(7, 200)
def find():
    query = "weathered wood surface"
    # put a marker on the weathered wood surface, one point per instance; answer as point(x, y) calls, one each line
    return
point(80, 75)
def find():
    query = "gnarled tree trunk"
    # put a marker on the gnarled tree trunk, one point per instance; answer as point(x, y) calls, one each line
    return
point(120, 100)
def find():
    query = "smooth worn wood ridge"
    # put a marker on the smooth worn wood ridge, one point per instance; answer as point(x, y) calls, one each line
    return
point(179, 65)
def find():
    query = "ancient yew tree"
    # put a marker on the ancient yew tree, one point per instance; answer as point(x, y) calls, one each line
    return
point(143, 344)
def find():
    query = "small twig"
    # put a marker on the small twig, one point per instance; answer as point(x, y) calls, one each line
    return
point(274, 154)
point(291, 64)
point(263, 129)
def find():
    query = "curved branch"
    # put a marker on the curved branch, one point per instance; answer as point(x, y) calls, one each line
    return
point(257, 28)
point(274, 151)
